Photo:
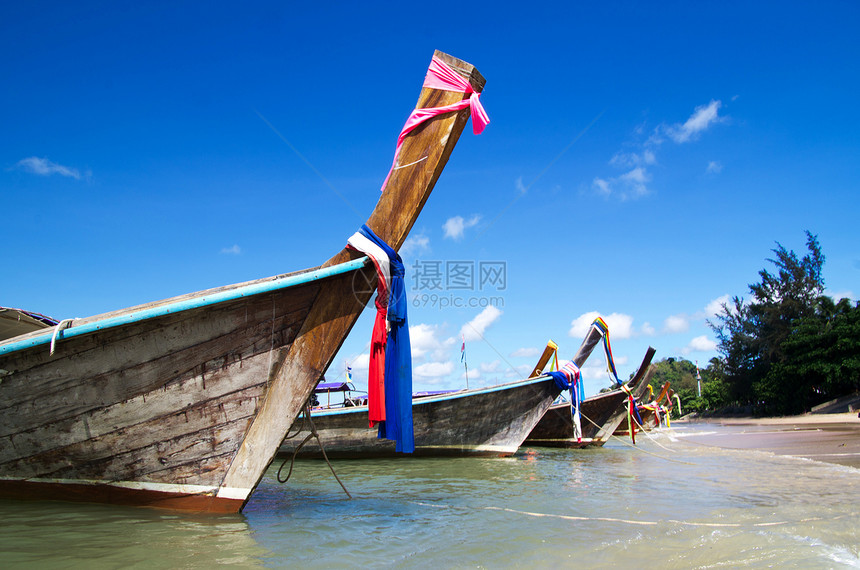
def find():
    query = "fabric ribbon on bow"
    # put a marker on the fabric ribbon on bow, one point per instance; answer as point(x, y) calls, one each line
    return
point(601, 326)
point(394, 386)
point(441, 76)
point(568, 377)
point(376, 371)
point(633, 417)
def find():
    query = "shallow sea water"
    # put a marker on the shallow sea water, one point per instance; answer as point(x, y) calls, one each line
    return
point(666, 503)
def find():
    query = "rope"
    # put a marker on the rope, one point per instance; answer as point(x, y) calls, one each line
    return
point(313, 433)
point(64, 324)
point(641, 522)
point(672, 521)
point(639, 448)
point(511, 366)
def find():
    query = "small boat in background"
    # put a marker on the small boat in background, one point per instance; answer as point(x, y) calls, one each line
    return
point(490, 421)
point(653, 413)
point(601, 415)
point(183, 403)
point(15, 322)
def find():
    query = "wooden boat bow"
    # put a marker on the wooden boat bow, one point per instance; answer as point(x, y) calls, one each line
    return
point(427, 149)
point(182, 403)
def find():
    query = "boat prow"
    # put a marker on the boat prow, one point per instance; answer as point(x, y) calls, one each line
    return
point(183, 403)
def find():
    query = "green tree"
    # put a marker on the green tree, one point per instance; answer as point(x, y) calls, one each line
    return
point(789, 347)
point(821, 359)
point(681, 376)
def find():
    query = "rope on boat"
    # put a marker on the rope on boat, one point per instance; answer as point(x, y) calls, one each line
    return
point(639, 448)
point(64, 324)
point(313, 433)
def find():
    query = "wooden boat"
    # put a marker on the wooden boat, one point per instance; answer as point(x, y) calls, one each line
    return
point(490, 421)
point(183, 403)
point(601, 415)
point(15, 322)
point(653, 413)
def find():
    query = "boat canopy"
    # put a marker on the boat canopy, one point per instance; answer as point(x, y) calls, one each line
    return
point(326, 387)
point(14, 322)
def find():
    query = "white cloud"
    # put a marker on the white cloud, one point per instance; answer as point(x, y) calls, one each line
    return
point(648, 330)
point(361, 362)
point(414, 244)
point(603, 186)
point(700, 344)
point(676, 324)
point(234, 250)
point(632, 184)
point(839, 295)
point(526, 353)
point(620, 325)
point(433, 369)
point(715, 307)
point(702, 118)
point(714, 167)
point(456, 226)
point(493, 366)
point(596, 371)
point(44, 167)
point(633, 159)
point(424, 340)
point(519, 372)
point(520, 186)
point(474, 329)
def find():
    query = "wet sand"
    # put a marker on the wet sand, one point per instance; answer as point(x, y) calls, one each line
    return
point(832, 438)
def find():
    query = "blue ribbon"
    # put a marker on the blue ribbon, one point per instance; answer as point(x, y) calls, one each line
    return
point(398, 356)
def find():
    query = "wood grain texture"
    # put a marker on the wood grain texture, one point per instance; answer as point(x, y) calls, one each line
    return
point(484, 422)
point(648, 415)
point(202, 397)
point(336, 310)
point(601, 415)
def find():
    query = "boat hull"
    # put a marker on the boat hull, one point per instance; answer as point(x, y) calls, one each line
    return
point(134, 494)
point(148, 412)
point(183, 403)
point(649, 422)
point(484, 422)
point(601, 416)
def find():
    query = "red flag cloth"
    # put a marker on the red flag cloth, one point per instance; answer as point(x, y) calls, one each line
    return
point(376, 369)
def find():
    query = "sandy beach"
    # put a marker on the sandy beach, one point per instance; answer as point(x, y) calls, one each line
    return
point(832, 438)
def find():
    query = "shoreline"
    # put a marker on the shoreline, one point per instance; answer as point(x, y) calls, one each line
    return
point(830, 438)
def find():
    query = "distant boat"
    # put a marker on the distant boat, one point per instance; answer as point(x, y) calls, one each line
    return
point(653, 413)
point(601, 415)
point(491, 421)
point(183, 403)
point(15, 322)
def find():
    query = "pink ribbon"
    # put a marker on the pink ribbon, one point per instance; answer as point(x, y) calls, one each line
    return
point(441, 76)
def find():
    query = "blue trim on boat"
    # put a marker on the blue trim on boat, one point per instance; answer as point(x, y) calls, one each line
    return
point(187, 305)
point(452, 396)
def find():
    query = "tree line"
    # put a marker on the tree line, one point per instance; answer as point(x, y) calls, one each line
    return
point(785, 349)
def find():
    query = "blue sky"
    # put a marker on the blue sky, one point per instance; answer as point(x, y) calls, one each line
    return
point(641, 163)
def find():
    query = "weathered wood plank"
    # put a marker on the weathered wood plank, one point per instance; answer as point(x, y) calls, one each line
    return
point(175, 411)
point(338, 307)
point(275, 344)
point(487, 422)
point(601, 414)
point(34, 373)
point(199, 352)
point(151, 461)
